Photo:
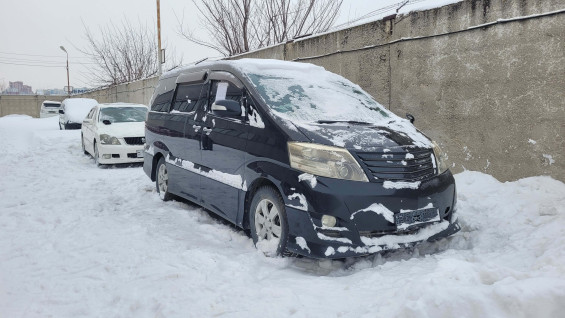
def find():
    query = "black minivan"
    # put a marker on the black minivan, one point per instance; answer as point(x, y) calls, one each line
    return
point(303, 158)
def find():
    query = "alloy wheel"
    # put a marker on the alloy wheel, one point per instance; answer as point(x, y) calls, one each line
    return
point(267, 221)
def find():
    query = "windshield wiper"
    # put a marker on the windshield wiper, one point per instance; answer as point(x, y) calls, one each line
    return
point(352, 122)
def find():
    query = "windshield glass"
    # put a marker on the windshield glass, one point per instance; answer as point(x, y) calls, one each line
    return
point(123, 114)
point(300, 96)
point(51, 105)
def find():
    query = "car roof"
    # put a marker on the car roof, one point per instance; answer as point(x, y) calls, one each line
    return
point(108, 105)
point(51, 102)
point(242, 66)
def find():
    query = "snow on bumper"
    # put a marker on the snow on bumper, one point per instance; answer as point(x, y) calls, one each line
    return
point(312, 243)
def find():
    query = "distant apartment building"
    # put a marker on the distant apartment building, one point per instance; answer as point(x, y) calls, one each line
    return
point(18, 88)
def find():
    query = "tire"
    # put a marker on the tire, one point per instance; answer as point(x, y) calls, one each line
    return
point(82, 144)
point(162, 180)
point(96, 155)
point(268, 222)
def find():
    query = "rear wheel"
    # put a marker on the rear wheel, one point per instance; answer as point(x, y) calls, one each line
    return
point(268, 222)
point(162, 180)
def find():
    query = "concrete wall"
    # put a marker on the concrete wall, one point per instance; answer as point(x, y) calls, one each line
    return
point(24, 104)
point(135, 92)
point(489, 90)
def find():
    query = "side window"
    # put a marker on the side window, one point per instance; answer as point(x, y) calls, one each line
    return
point(162, 102)
point(223, 90)
point(188, 97)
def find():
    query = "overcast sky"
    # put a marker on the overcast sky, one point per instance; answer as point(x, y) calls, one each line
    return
point(31, 32)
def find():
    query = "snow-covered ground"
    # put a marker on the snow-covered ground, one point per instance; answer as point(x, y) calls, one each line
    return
point(79, 241)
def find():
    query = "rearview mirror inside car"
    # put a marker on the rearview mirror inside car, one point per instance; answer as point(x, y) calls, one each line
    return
point(226, 108)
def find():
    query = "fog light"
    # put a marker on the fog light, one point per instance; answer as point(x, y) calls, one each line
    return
point(107, 156)
point(328, 221)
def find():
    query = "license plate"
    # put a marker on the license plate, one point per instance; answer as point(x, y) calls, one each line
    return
point(139, 153)
point(404, 220)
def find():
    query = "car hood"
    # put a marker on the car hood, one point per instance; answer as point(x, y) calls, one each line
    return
point(364, 137)
point(132, 129)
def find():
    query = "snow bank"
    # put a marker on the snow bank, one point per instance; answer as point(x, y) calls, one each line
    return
point(76, 240)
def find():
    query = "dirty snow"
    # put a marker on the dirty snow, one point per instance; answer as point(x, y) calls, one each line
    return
point(309, 178)
point(79, 241)
point(379, 209)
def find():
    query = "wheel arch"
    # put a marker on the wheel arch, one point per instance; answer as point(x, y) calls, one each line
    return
point(156, 159)
point(251, 190)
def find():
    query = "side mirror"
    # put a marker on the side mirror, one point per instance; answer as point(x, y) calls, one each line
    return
point(61, 111)
point(226, 108)
point(106, 122)
point(410, 117)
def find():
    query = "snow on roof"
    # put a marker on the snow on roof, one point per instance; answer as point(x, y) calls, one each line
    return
point(107, 105)
point(77, 108)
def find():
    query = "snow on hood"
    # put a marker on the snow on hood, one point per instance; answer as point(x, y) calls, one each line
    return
point(125, 129)
point(76, 109)
point(309, 97)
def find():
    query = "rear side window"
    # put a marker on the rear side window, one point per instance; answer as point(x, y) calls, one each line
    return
point(189, 97)
point(162, 102)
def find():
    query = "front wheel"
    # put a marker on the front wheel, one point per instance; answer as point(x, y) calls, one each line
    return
point(267, 219)
point(82, 144)
point(162, 181)
point(96, 155)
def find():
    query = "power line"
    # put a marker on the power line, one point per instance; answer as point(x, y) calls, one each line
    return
point(38, 65)
point(57, 56)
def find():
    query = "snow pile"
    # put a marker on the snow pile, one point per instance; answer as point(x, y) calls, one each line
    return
point(76, 109)
point(79, 241)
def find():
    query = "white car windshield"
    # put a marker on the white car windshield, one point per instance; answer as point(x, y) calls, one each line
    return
point(123, 114)
point(319, 97)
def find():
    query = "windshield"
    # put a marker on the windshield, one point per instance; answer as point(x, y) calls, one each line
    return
point(322, 96)
point(51, 105)
point(123, 114)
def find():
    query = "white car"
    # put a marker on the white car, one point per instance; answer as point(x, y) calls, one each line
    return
point(73, 111)
point(49, 109)
point(114, 133)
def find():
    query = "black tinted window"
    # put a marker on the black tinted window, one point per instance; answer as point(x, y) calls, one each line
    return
point(162, 102)
point(188, 97)
point(51, 105)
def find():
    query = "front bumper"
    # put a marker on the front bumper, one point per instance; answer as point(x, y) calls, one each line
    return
point(359, 230)
point(119, 154)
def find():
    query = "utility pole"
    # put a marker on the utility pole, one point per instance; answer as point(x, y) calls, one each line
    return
point(68, 81)
point(159, 53)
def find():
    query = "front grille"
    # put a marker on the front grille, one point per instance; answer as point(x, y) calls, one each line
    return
point(134, 140)
point(404, 165)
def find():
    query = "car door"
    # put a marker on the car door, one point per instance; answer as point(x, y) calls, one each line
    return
point(223, 149)
point(189, 101)
point(88, 131)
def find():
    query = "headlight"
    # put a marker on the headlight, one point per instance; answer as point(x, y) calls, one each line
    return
point(109, 140)
point(440, 157)
point(325, 161)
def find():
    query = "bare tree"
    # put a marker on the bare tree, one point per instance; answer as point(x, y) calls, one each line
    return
point(238, 26)
point(123, 53)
